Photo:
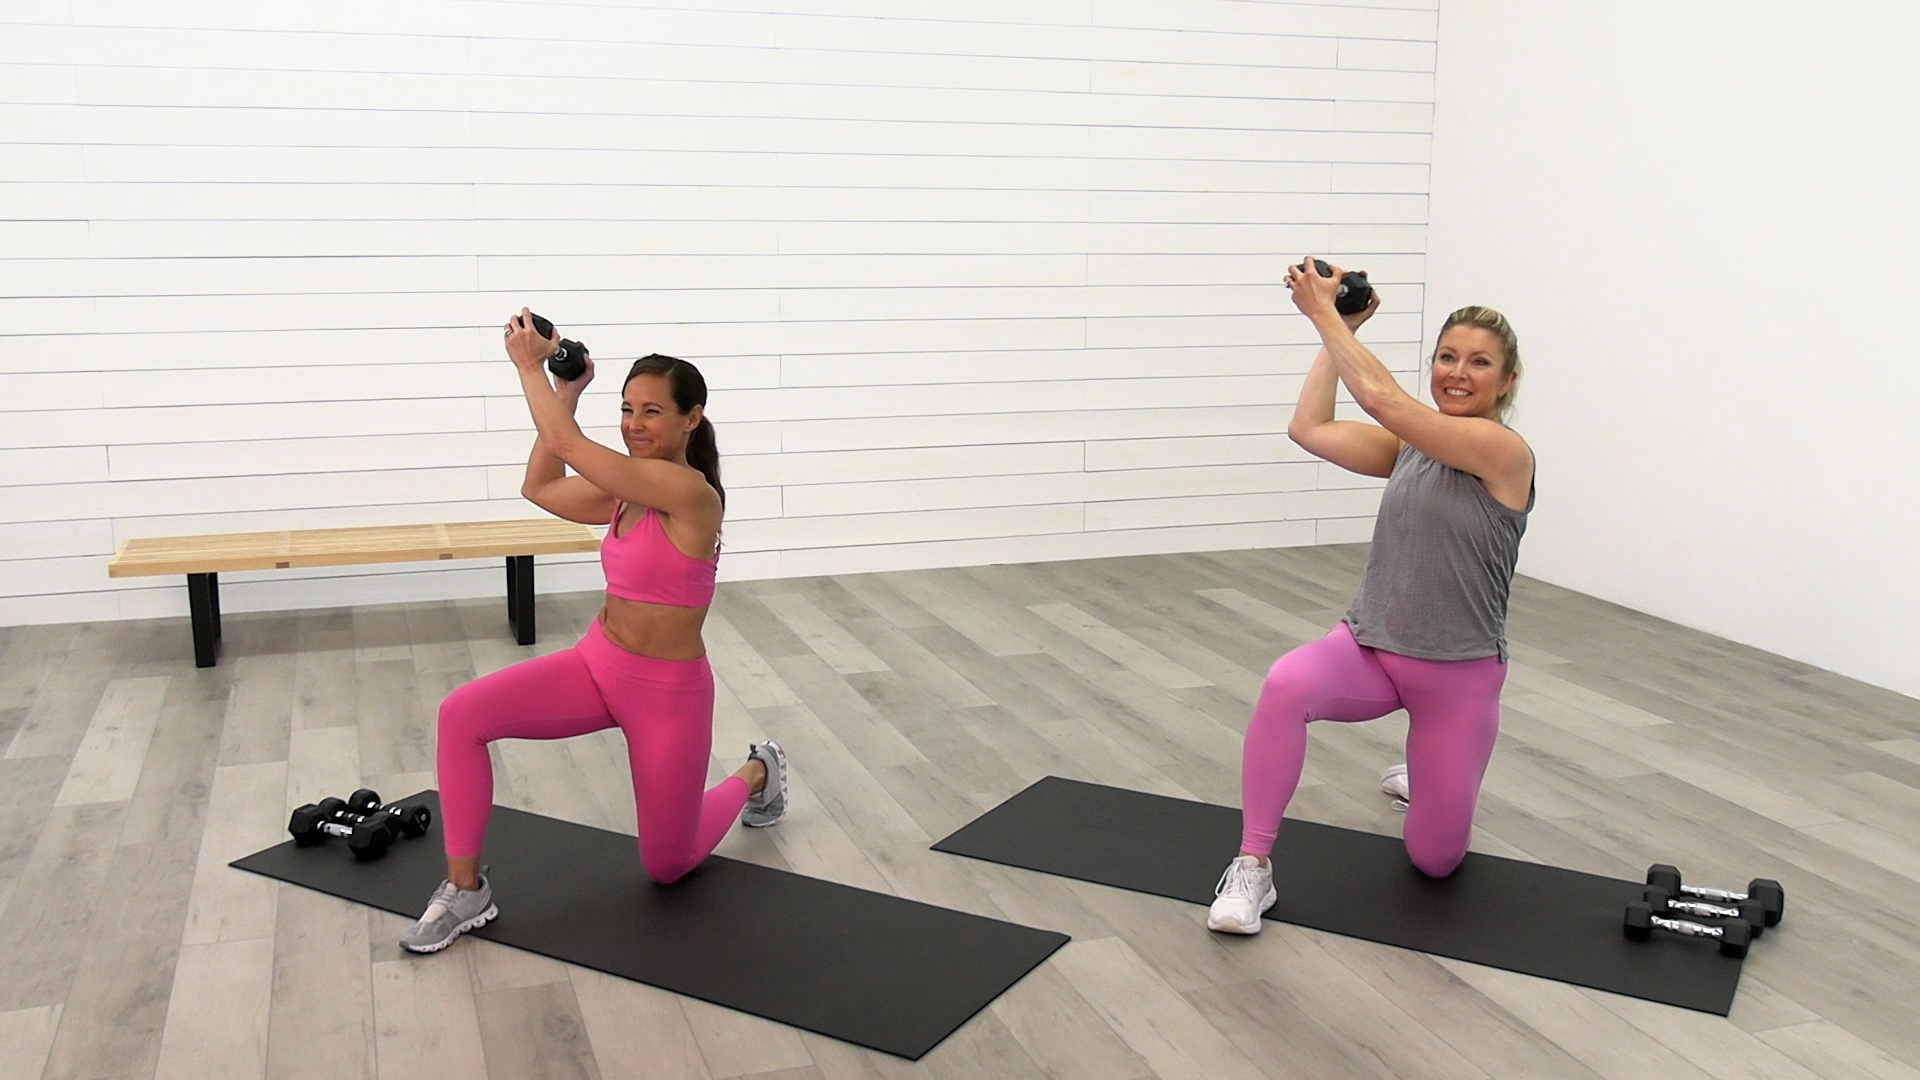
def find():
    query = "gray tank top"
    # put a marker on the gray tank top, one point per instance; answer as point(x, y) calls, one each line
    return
point(1441, 566)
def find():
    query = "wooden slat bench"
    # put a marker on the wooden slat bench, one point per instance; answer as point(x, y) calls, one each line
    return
point(202, 558)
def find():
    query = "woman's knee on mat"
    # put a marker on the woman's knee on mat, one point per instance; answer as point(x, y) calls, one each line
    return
point(1436, 858)
point(665, 868)
point(1438, 833)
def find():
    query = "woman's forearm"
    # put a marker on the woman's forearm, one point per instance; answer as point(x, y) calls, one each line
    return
point(1367, 379)
point(542, 468)
point(1315, 406)
point(551, 415)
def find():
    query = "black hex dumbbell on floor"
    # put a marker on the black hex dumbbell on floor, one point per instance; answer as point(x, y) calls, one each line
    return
point(1772, 898)
point(413, 821)
point(369, 834)
point(1734, 934)
point(1665, 903)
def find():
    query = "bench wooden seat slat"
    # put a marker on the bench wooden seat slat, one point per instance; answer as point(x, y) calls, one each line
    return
point(344, 547)
point(204, 558)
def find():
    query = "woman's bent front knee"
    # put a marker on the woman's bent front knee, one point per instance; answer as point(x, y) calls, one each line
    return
point(1294, 684)
point(461, 714)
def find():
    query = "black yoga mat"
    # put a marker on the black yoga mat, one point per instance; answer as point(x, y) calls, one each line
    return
point(875, 970)
point(1519, 916)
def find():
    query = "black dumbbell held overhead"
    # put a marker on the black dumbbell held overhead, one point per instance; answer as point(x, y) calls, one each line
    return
point(1768, 892)
point(1356, 292)
point(569, 361)
point(1734, 935)
point(1665, 903)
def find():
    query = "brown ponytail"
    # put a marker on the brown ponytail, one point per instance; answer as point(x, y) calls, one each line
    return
point(703, 453)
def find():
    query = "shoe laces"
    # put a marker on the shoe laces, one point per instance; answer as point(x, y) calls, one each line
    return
point(443, 898)
point(1237, 880)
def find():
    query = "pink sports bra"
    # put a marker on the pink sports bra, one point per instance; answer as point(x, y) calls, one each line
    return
point(644, 565)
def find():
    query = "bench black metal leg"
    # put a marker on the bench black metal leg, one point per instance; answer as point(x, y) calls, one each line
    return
point(513, 595)
point(520, 597)
point(203, 600)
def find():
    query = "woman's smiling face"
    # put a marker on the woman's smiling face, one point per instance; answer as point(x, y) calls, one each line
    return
point(1469, 372)
point(650, 423)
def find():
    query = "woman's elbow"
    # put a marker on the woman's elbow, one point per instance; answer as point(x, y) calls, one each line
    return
point(1379, 401)
point(557, 446)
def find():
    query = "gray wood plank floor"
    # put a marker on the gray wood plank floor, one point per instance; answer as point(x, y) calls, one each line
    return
point(911, 702)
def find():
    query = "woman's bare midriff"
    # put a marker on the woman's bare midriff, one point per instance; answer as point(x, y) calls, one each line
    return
point(660, 631)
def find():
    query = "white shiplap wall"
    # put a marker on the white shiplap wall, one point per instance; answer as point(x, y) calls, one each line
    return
point(971, 282)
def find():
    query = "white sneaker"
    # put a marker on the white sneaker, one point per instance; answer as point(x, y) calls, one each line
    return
point(1245, 890)
point(1394, 783)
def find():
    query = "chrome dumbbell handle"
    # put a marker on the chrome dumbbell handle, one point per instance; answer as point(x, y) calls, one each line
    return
point(1689, 929)
point(1698, 907)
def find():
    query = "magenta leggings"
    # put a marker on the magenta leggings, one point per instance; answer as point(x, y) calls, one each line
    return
point(1453, 709)
point(665, 708)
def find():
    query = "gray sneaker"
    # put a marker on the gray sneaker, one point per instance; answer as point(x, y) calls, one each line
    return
point(452, 911)
point(770, 804)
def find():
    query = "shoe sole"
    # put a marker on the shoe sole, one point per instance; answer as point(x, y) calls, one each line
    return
point(1273, 897)
point(474, 923)
point(780, 757)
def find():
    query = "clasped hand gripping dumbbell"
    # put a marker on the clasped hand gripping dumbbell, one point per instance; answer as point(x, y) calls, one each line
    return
point(369, 827)
point(569, 361)
point(1356, 292)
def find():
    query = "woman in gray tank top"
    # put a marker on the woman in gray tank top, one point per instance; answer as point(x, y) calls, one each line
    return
point(1427, 631)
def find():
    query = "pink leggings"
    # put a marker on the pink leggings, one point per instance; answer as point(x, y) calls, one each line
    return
point(1453, 708)
point(665, 708)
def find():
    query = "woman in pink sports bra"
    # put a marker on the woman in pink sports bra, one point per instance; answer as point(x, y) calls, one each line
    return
point(642, 664)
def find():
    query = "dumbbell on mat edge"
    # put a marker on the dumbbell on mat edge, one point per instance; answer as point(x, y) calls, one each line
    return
point(1663, 902)
point(306, 820)
point(1769, 892)
point(368, 836)
point(1734, 935)
point(414, 821)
